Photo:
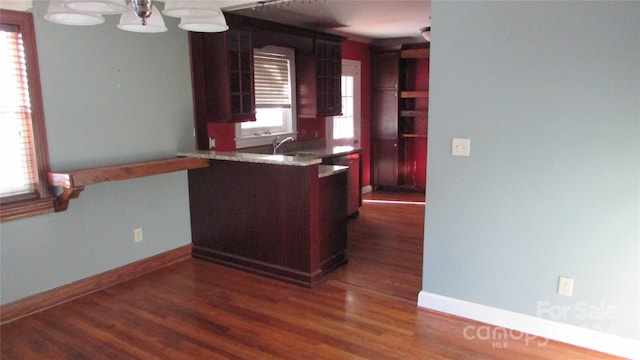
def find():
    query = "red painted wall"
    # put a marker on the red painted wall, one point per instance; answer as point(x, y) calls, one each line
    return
point(224, 133)
point(360, 52)
point(311, 129)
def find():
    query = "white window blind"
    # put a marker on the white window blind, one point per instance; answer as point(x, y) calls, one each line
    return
point(17, 150)
point(274, 81)
point(271, 80)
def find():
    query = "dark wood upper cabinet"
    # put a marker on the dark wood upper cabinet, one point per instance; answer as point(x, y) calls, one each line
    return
point(329, 55)
point(385, 70)
point(222, 78)
point(318, 80)
point(240, 52)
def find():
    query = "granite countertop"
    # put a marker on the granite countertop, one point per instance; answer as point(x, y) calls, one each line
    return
point(317, 148)
point(291, 154)
point(328, 170)
point(254, 158)
point(323, 170)
point(325, 151)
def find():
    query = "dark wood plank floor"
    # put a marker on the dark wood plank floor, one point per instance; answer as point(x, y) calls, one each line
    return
point(199, 310)
point(385, 245)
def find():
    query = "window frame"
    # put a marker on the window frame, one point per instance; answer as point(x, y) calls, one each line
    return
point(41, 200)
point(247, 137)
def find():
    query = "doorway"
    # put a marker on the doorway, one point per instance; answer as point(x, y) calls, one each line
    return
point(385, 246)
point(344, 130)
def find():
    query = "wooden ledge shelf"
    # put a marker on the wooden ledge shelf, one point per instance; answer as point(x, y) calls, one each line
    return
point(414, 94)
point(413, 113)
point(73, 182)
point(414, 136)
point(415, 53)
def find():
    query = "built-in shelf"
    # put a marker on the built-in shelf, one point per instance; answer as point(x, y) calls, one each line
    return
point(414, 94)
point(415, 53)
point(413, 136)
point(73, 182)
point(413, 113)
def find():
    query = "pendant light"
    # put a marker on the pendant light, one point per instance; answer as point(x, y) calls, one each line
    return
point(140, 15)
point(190, 8)
point(58, 13)
point(142, 20)
point(103, 7)
point(204, 24)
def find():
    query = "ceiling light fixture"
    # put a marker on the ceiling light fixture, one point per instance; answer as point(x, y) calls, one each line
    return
point(59, 14)
point(204, 24)
point(103, 7)
point(140, 15)
point(426, 33)
point(267, 4)
point(143, 19)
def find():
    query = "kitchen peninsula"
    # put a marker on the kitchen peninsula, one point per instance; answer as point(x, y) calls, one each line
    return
point(275, 215)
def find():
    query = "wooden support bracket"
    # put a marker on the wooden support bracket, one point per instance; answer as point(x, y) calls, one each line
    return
point(62, 201)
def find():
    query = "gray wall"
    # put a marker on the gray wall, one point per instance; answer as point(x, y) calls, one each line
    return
point(110, 96)
point(549, 93)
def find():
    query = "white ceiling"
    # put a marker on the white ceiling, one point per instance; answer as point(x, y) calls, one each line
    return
point(368, 21)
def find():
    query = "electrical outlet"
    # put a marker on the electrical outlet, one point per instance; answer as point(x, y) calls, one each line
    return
point(460, 147)
point(565, 286)
point(137, 234)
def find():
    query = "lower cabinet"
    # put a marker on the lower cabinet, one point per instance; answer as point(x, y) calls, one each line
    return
point(333, 222)
point(354, 179)
point(385, 166)
point(279, 221)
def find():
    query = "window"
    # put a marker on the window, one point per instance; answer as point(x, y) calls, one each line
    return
point(24, 163)
point(274, 82)
point(343, 125)
point(344, 130)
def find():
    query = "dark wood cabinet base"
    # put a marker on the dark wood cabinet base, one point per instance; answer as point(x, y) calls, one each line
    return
point(280, 221)
point(273, 271)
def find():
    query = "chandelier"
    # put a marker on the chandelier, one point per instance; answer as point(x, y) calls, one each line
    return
point(140, 15)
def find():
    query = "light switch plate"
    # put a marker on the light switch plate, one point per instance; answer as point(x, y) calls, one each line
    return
point(461, 147)
point(137, 234)
point(565, 286)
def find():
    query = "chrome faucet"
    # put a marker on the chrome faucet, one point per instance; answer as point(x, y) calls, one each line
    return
point(277, 144)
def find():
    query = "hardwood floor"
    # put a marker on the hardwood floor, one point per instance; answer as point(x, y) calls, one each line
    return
point(199, 310)
point(385, 246)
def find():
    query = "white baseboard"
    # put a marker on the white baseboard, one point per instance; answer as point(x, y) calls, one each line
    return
point(542, 328)
point(367, 189)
